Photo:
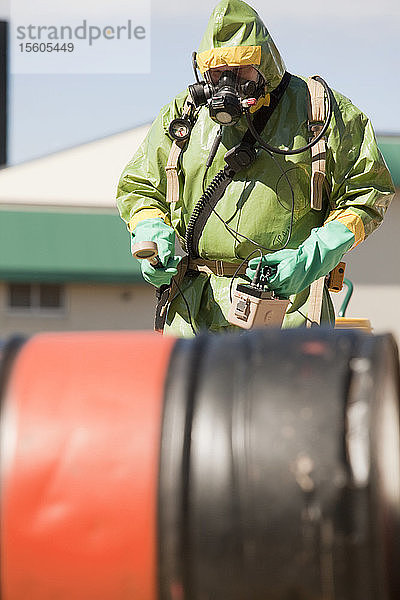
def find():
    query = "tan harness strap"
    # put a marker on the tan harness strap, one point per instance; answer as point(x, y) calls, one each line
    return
point(316, 118)
point(315, 302)
point(171, 171)
point(172, 163)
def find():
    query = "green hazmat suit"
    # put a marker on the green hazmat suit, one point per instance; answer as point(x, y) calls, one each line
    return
point(258, 202)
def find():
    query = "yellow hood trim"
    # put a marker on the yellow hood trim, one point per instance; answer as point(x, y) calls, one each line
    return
point(231, 56)
point(350, 220)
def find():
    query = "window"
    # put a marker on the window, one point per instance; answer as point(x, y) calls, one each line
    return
point(50, 296)
point(19, 295)
point(36, 297)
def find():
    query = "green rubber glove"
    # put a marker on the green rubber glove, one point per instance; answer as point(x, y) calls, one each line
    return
point(295, 270)
point(155, 230)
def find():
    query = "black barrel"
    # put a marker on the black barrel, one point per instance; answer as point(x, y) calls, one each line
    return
point(279, 468)
point(8, 353)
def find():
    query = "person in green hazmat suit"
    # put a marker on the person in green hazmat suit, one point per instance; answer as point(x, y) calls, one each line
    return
point(267, 205)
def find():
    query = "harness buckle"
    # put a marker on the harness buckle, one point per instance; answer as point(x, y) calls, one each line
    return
point(315, 128)
point(219, 267)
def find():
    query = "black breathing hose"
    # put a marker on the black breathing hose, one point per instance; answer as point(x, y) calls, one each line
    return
point(266, 146)
point(208, 200)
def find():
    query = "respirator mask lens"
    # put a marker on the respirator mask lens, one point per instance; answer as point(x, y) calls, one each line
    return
point(241, 74)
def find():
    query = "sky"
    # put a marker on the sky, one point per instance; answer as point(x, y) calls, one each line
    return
point(353, 45)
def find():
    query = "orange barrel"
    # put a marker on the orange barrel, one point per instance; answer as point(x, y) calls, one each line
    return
point(80, 433)
point(227, 467)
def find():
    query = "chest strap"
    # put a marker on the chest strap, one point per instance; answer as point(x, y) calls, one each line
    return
point(316, 119)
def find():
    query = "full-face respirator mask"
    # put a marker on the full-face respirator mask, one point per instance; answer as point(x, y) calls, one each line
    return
point(228, 97)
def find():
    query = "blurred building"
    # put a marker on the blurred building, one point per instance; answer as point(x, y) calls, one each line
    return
point(65, 261)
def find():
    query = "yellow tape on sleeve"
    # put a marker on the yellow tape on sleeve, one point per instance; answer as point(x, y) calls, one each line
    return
point(145, 213)
point(352, 221)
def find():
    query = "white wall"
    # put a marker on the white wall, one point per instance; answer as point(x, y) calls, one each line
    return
point(87, 307)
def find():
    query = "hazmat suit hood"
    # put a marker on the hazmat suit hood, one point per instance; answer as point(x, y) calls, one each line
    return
point(236, 36)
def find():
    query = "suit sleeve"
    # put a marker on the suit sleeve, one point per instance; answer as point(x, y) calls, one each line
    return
point(361, 187)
